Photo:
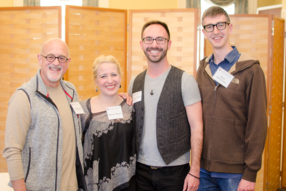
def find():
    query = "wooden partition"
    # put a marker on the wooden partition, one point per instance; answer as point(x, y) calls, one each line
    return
point(23, 30)
point(262, 37)
point(91, 32)
point(182, 24)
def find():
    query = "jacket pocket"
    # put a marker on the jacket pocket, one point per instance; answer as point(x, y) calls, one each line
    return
point(226, 144)
point(29, 163)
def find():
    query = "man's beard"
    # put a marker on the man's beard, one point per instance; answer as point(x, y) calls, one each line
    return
point(53, 78)
point(155, 60)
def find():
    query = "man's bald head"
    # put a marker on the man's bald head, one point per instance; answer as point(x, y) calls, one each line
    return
point(57, 41)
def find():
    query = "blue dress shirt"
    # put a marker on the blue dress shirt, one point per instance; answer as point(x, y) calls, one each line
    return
point(230, 59)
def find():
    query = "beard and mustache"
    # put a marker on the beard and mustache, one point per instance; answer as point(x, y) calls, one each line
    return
point(155, 59)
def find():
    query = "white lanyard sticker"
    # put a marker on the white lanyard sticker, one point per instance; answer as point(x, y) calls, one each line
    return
point(114, 112)
point(77, 108)
point(223, 77)
point(137, 96)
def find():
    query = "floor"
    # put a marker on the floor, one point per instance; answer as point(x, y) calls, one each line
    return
point(4, 179)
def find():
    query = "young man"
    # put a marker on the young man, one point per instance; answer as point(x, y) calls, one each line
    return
point(235, 121)
point(43, 134)
point(168, 118)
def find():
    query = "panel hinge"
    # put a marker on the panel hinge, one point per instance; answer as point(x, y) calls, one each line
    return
point(269, 109)
point(127, 27)
point(267, 186)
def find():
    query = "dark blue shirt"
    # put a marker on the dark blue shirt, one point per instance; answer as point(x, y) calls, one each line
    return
point(230, 59)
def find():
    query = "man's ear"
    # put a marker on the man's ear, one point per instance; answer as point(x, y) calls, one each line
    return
point(141, 45)
point(39, 59)
point(230, 26)
point(169, 44)
point(204, 32)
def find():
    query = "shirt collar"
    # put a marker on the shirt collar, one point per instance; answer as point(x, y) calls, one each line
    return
point(229, 57)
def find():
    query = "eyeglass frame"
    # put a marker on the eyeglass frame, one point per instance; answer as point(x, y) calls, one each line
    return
point(55, 58)
point(166, 39)
point(215, 25)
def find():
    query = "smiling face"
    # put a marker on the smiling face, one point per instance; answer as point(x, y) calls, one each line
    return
point(108, 79)
point(155, 52)
point(52, 72)
point(219, 39)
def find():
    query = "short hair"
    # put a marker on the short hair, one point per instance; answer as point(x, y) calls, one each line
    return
point(104, 59)
point(213, 12)
point(155, 22)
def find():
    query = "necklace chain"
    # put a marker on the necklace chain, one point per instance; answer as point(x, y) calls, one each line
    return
point(100, 104)
point(151, 92)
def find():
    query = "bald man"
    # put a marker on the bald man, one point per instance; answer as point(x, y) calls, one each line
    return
point(43, 133)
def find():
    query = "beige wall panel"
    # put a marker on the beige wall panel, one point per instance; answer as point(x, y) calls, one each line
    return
point(182, 24)
point(92, 32)
point(23, 30)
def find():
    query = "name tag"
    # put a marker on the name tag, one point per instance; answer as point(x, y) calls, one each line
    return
point(223, 77)
point(77, 108)
point(114, 112)
point(137, 96)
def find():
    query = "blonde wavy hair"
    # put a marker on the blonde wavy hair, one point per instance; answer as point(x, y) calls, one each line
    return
point(104, 59)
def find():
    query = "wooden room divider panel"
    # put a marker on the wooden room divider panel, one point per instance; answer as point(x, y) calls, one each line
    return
point(182, 24)
point(91, 32)
point(261, 37)
point(23, 31)
point(275, 89)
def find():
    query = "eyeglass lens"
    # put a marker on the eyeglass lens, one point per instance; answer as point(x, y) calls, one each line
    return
point(51, 58)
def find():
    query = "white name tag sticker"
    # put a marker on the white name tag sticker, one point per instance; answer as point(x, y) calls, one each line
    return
point(137, 96)
point(77, 108)
point(114, 112)
point(223, 77)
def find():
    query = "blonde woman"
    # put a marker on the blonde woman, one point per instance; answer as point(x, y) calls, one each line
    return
point(109, 154)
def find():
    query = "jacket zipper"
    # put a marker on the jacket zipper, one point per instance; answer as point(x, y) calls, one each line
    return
point(215, 92)
point(53, 104)
point(27, 174)
point(56, 180)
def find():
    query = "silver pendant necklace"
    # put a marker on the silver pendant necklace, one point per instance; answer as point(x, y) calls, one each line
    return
point(152, 92)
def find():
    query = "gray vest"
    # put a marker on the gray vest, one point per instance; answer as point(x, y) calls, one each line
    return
point(42, 152)
point(172, 126)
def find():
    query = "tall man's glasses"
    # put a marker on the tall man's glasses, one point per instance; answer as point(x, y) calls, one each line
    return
point(51, 58)
point(159, 40)
point(219, 26)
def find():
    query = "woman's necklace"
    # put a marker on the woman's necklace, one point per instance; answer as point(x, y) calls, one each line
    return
point(100, 104)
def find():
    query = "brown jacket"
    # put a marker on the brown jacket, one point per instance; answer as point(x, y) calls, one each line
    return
point(235, 120)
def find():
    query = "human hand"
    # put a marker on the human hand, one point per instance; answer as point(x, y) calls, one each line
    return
point(126, 96)
point(246, 185)
point(191, 183)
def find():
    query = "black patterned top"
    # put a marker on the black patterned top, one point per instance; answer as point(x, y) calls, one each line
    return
point(109, 149)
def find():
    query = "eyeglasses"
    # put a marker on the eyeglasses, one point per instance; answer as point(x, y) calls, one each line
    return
point(219, 26)
point(51, 58)
point(159, 40)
